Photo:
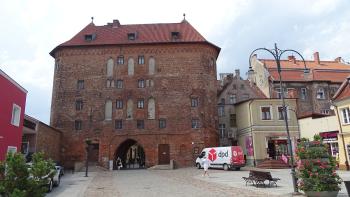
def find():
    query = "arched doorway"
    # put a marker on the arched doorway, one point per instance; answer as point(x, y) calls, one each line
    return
point(132, 155)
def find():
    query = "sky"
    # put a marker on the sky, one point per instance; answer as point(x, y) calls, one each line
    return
point(32, 28)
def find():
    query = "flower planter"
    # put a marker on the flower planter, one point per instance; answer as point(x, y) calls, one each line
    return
point(322, 194)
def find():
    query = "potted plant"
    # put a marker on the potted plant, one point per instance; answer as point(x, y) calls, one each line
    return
point(316, 169)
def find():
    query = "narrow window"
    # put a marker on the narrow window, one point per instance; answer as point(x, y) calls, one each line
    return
point(140, 124)
point(118, 124)
point(162, 123)
point(281, 113)
point(78, 125)
point(194, 102)
point(140, 104)
point(151, 108)
point(120, 60)
point(232, 99)
point(131, 66)
point(108, 110)
point(141, 59)
point(320, 94)
point(79, 105)
point(16, 115)
point(141, 83)
point(233, 122)
point(119, 104)
point(119, 84)
point(110, 67)
point(80, 84)
point(129, 109)
point(151, 66)
point(346, 115)
point(222, 131)
point(195, 123)
point(265, 113)
point(221, 111)
point(279, 93)
point(303, 94)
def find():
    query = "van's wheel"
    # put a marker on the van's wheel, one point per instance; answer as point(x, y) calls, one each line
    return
point(198, 165)
point(238, 168)
point(225, 167)
point(50, 186)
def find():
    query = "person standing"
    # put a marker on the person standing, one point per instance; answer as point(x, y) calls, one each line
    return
point(205, 166)
point(119, 163)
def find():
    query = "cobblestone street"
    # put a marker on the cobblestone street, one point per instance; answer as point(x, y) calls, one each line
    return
point(180, 182)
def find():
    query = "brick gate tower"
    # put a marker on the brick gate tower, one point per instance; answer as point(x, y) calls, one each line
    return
point(145, 93)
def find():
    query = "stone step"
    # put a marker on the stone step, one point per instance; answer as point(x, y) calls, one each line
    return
point(273, 164)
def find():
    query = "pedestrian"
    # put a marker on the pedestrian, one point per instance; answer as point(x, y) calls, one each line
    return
point(119, 163)
point(205, 166)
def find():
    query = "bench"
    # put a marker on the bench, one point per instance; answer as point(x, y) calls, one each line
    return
point(258, 178)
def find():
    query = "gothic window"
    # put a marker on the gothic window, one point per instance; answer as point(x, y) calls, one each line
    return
point(108, 110)
point(129, 109)
point(110, 65)
point(151, 66)
point(131, 66)
point(151, 108)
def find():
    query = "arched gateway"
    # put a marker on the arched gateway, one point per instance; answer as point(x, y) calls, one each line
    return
point(132, 155)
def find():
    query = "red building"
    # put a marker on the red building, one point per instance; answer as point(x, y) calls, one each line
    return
point(12, 105)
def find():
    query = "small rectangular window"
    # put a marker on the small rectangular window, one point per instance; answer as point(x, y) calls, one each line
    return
point(162, 123)
point(140, 124)
point(78, 125)
point(175, 35)
point(232, 99)
point(80, 84)
point(120, 60)
point(16, 115)
point(131, 36)
point(265, 113)
point(320, 94)
point(11, 149)
point(194, 102)
point(222, 131)
point(281, 113)
point(119, 104)
point(89, 37)
point(141, 59)
point(141, 83)
point(119, 84)
point(118, 124)
point(303, 94)
point(221, 111)
point(195, 123)
point(79, 105)
point(140, 104)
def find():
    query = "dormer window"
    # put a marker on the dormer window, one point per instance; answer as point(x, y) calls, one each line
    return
point(131, 36)
point(175, 35)
point(90, 37)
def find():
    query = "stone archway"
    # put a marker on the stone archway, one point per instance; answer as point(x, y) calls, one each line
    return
point(132, 155)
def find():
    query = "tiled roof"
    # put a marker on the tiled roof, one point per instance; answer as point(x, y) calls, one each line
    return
point(343, 91)
point(333, 71)
point(111, 34)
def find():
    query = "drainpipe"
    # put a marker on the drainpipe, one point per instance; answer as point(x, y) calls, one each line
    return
point(251, 130)
point(342, 137)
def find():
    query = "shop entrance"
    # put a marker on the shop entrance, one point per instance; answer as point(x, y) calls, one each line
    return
point(131, 154)
point(277, 148)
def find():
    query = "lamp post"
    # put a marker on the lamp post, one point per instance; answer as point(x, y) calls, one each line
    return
point(87, 147)
point(277, 54)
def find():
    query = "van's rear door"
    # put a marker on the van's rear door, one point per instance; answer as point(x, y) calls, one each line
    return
point(237, 155)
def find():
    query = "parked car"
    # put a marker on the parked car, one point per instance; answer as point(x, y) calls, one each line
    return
point(227, 157)
point(61, 168)
point(53, 178)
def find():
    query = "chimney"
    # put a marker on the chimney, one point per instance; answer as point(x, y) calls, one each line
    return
point(237, 73)
point(291, 58)
point(338, 59)
point(116, 23)
point(317, 58)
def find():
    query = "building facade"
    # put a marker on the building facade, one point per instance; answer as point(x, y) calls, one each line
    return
point(313, 90)
point(144, 93)
point(233, 89)
point(12, 104)
point(40, 137)
point(261, 129)
point(341, 104)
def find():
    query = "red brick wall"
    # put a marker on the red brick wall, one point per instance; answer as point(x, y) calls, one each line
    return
point(182, 71)
point(48, 140)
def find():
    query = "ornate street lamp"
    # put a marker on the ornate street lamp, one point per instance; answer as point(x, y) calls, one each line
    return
point(87, 148)
point(277, 54)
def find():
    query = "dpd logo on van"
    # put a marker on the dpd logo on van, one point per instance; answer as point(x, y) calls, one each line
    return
point(212, 154)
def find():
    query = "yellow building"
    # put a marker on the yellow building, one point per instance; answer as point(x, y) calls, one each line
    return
point(341, 103)
point(261, 128)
